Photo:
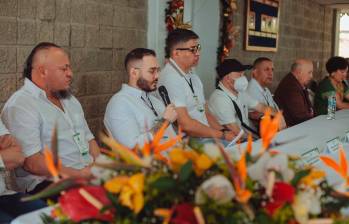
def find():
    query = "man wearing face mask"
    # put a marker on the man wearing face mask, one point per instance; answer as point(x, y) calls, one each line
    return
point(133, 115)
point(230, 102)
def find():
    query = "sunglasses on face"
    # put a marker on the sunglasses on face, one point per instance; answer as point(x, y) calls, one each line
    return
point(193, 49)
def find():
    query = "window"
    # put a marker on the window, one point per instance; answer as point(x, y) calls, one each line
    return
point(343, 34)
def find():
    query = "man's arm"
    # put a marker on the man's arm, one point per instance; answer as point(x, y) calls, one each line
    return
point(212, 121)
point(36, 165)
point(94, 149)
point(261, 108)
point(10, 152)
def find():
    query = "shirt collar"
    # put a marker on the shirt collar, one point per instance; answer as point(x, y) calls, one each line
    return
point(133, 91)
point(176, 67)
point(33, 89)
point(230, 94)
point(260, 88)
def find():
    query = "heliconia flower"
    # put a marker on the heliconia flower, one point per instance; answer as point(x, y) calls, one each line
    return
point(85, 203)
point(130, 190)
point(50, 164)
point(268, 128)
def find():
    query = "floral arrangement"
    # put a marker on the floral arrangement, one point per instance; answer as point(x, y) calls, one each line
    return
point(199, 183)
point(174, 15)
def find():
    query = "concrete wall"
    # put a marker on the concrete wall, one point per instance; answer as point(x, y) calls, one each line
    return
point(96, 33)
point(305, 32)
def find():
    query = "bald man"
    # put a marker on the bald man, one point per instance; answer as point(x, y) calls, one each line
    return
point(292, 96)
point(32, 112)
point(133, 115)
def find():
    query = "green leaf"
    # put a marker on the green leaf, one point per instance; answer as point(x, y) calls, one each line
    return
point(164, 183)
point(186, 171)
point(298, 176)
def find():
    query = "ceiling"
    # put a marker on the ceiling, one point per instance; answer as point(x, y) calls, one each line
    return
point(339, 4)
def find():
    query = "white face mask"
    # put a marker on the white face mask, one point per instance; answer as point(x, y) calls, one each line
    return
point(240, 84)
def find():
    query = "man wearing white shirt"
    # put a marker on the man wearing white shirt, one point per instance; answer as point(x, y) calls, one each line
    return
point(133, 115)
point(11, 157)
point(43, 103)
point(230, 102)
point(262, 78)
point(185, 88)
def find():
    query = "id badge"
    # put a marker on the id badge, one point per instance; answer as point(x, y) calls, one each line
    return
point(80, 142)
point(199, 107)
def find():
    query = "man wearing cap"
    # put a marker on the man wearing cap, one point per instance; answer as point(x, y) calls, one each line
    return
point(185, 89)
point(230, 102)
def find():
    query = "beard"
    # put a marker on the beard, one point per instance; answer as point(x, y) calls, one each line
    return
point(145, 85)
point(62, 94)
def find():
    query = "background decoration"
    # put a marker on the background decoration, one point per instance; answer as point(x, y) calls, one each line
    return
point(262, 25)
point(174, 15)
point(229, 32)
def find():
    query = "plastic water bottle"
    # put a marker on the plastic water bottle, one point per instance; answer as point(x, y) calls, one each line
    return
point(331, 106)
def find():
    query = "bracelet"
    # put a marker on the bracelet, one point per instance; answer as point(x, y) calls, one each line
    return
point(2, 164)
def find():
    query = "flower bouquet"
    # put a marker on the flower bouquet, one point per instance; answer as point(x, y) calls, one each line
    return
point(185, 182)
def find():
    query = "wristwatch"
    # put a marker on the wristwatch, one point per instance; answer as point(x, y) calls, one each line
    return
point(224, 130)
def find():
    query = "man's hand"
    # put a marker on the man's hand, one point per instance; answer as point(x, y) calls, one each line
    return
point(7, 141)
point(229, 135)
point(12, 157)
point(170, 113)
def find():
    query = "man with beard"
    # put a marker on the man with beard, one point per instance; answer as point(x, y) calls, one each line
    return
point(185, 88)
point(133, 115)
point(43, 103)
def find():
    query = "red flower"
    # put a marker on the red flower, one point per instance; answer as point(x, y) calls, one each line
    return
point(183, 214)
point(77, 208)
point(282, 193)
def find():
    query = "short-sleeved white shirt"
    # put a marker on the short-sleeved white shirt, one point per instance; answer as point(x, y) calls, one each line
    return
point(180, 92)
point(31, 118)
point(222, 107)
point(262, 95)
point(129, 116)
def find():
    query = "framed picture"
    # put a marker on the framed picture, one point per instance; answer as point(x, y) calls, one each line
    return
point(262, 25)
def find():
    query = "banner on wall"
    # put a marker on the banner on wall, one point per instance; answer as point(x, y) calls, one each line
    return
point(262, 25)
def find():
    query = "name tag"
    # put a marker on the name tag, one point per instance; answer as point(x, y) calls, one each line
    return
point(311, 156)
point(199, 106)
point(83, 148)
point(333, 144)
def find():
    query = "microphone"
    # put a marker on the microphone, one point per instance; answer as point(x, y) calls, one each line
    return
point(164, 95)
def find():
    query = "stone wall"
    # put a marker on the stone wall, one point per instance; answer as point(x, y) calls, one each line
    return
point(96, 33)
point(305, 31)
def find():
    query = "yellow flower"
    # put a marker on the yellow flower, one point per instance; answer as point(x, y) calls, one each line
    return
point(179, 157)
point(130, 189)
point(312, 178)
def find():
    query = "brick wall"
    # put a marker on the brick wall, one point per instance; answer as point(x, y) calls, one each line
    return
point(96, 33)
point(305, 31)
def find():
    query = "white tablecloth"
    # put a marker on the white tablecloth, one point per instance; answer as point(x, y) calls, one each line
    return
point(32, 217)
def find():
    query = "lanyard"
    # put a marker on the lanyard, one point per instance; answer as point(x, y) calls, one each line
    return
point(150, 105)
point(190, 84)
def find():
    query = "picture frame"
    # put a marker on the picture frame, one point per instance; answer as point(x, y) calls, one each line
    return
point(262, 25)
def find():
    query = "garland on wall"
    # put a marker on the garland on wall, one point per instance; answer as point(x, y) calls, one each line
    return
point(228, 32)
point(174, 15)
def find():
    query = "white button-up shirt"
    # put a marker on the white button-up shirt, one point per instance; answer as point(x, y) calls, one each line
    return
point(3, 189)
point(262, 95)
point(177, 84)
point(129, 117)
point(31, 118)
point(222, 107)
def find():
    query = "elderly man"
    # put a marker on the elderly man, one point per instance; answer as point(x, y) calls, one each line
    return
point(133, 114)
point(292, 96)
point(185, 88)
point(11, 157)
point(43, 103)
point(230, 102)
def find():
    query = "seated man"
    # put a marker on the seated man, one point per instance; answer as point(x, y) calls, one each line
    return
point(292, 96)
point(11, 157)
point(185, 88)
point(133, 115)
point(230, 102)
point(43, 103)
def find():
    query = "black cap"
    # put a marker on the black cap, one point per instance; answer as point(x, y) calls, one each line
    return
point(230, 65)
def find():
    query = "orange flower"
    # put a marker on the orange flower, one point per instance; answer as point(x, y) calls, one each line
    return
point(50, 164)
point(268, 128)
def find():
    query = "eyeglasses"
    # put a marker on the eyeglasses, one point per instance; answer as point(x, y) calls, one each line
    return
point(193, 49)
